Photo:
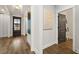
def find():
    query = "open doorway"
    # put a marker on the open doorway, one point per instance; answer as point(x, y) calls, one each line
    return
point(65, 28)
point(61, 28)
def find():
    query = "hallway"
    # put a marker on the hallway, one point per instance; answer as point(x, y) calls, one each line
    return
point(40, 24)
point(16, 45)
point(62, 48)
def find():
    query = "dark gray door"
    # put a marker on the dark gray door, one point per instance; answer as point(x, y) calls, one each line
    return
point(16, 26)
point(61, 28)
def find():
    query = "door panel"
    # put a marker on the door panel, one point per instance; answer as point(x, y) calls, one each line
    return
point(16, 26)
point(61, 28)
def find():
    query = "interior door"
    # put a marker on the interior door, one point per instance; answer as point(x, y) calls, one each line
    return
point(16, 26)
point(61, 28)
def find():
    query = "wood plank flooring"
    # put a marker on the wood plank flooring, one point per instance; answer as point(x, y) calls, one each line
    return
point(16, 45)
point(62, 48)
point(19, 45)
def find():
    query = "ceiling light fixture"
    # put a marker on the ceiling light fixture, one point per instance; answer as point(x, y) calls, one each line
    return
point(2, 10)
point(18, 6)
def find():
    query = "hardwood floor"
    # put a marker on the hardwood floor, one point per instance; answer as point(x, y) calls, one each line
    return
point(19, 45)
point(16, 45)
point(62, 48)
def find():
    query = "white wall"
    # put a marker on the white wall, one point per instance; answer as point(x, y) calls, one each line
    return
point(4, 22)
point(4, 25)
point(69, 24)
point(36, 28)
point(49, 34)
point(23, 24)
point(76, 29)
point(11, 25)
point(26, 25)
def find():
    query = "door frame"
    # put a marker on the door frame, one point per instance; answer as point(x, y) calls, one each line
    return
point(73, 42)
point(15, 17)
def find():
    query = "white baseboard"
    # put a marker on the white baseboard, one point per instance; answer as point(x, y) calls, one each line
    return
point(50, 44)
point(77, 51)
point(69, 38)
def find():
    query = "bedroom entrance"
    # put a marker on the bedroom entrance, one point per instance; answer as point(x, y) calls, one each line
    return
point(65, 29)
point(61, 28)
point(65, 25)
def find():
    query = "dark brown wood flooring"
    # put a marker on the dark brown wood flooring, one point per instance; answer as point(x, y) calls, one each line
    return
point(62, 48)
point(15, 45)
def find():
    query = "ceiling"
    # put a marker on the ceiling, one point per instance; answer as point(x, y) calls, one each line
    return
point(16, 11)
